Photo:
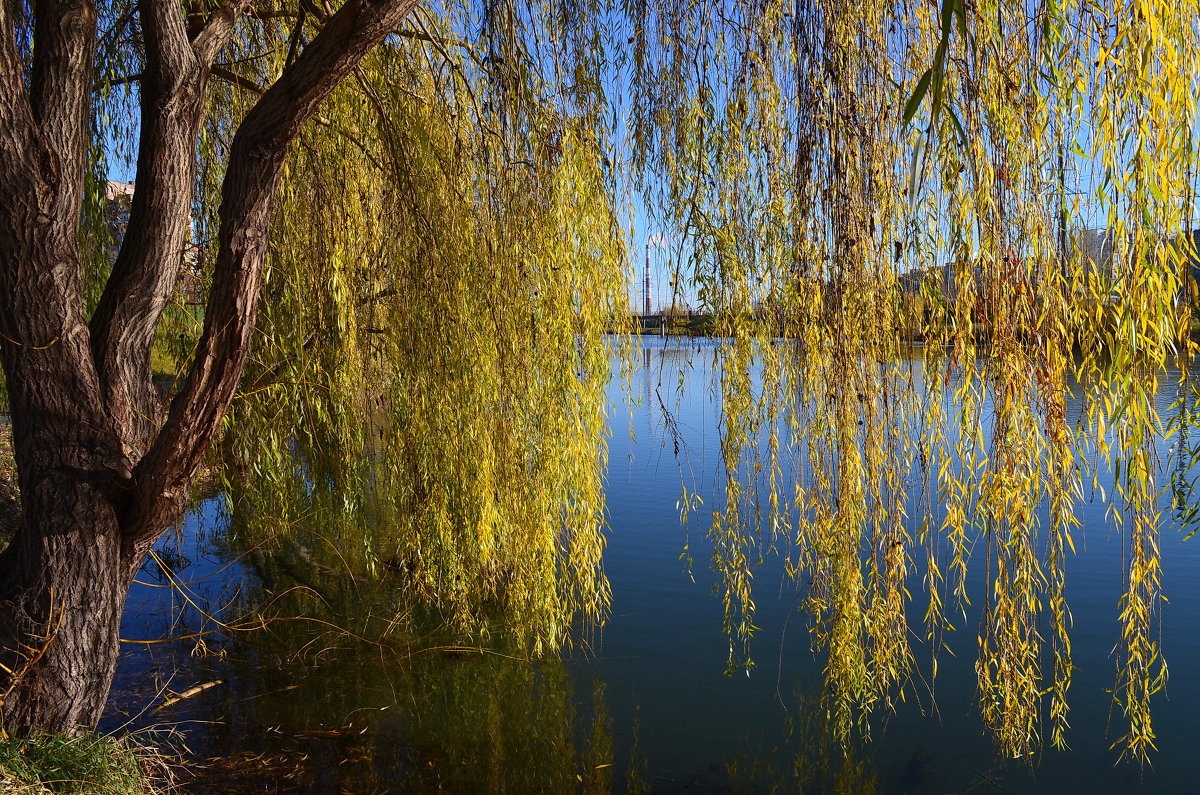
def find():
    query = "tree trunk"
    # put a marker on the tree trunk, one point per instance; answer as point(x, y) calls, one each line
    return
point(63, 583)
point(100, 481)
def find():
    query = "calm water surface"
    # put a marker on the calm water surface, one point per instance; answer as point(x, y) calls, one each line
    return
point(645, 706)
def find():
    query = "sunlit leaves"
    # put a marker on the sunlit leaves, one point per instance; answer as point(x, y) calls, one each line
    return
point(431, 360)
point(844, 180)
point(853, 177)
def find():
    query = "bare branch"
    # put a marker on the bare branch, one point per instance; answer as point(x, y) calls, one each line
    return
point(117, 81)
point(293, 44)
point(229, 76)
point(216, 32)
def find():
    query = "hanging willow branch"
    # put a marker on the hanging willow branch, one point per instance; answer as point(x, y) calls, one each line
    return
point(853, 177)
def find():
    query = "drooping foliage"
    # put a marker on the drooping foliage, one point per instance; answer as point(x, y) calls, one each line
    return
point(449, 250)
point(849, 178)
point(431, 357)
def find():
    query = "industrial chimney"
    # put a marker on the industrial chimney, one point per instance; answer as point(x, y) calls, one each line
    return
point(646, 294)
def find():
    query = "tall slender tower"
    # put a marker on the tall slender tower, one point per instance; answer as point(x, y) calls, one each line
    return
point(646, 293)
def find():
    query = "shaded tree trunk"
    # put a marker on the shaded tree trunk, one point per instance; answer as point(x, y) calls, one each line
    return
point(63, 590)
point(64, 575)
point(100, 477)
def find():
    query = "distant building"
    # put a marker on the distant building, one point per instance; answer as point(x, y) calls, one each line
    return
point(1096, 251)
point(118, 204)
point(1098, 258)
point(118, 200)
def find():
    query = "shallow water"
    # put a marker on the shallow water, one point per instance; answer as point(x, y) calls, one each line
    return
point(645, 705)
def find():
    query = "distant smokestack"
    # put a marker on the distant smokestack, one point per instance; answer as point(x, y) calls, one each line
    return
point(647, 290)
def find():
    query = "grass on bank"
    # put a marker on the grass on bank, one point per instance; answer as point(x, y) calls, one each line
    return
point(90, 764)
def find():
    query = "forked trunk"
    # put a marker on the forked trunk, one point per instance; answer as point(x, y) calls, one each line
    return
point(100, 478)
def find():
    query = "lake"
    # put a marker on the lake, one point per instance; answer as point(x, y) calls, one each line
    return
point(643, 704)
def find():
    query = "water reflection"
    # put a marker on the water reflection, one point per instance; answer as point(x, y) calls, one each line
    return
point(327, 684)
point(361, 696)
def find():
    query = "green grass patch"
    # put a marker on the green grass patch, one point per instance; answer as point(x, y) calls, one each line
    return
point(175, 340)
point(89, 764)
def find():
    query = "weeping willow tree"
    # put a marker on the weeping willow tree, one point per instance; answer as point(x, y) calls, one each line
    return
point(439, 254)
point(432, 202)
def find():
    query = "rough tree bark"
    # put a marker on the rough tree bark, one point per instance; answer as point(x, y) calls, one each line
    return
point(100, 479)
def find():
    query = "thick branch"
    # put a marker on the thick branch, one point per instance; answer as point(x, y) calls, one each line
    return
point(44, 342)
point(216, 32)
point(26, 164)
point(43, 146)
point(251, 180)
point(60, 92)
point(172, 94)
